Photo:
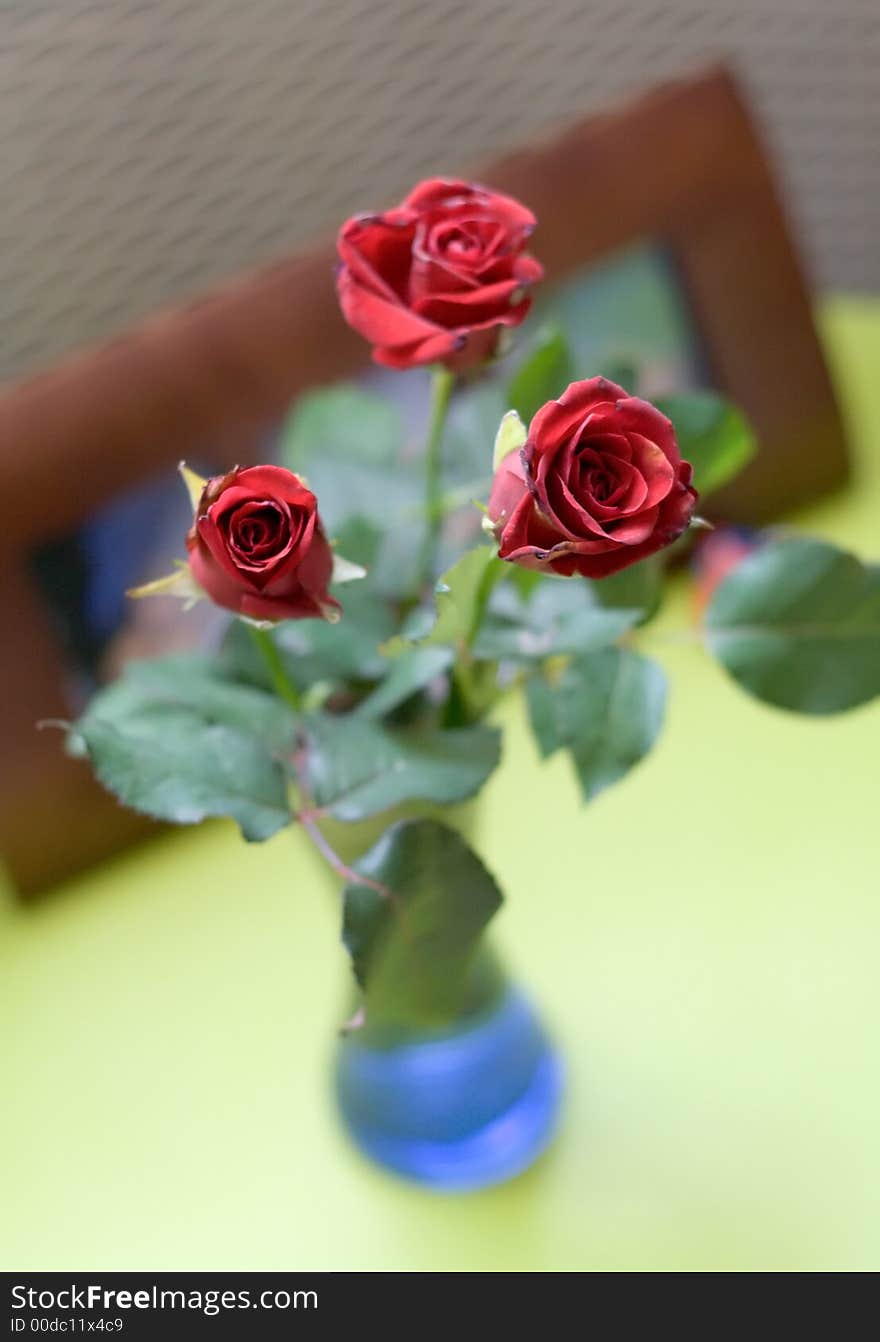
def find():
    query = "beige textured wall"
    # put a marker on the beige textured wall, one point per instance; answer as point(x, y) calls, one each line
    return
point(147, 149)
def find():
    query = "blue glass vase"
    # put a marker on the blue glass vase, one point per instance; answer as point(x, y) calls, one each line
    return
point(460, 1108)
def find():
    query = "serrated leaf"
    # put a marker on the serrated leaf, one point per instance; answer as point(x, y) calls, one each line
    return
point(183, 756)
point(410, 672)
point(797, 624)
point(169, 765)
point(356, 768)
point(606, 709)
point(195, 683)
point(414, 950)
point(712, 434)
point(543, 375)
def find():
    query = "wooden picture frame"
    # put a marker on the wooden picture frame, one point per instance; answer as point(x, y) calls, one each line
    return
point(682, 165)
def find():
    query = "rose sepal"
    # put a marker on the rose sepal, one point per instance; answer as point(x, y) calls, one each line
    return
point(180, 583)
point(511, 437)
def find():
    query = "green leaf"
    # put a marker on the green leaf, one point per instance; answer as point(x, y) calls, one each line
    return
point(638, 588)
point(410, 672)
point(175, 741)
point(196, 683)
point(414, 949)
point(622, 371)
point(344, 422)
point(561, 616)
point(712, 434)
point(543, 376)
point(313, 651)
point(797, 624)
point(349, 445)
point(546, 714)
point(461, 596)
point(606, 709)
point(356, 768)
point(474, 415)
point(360, 541)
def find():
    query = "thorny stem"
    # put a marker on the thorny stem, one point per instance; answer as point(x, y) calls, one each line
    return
point(343, 871)
point(308, 817)
point(308, 812)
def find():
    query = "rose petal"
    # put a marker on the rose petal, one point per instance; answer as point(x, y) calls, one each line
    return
point(436, 348)
point(508, 488)
point(377, 250)
point(633, 530)
point(297, 605)
point(451, 194)
point(471, 306)
point(557, 419)
point(630, 493)
point(223, 589)
point(654, 466)
point(313, 571)
point(636, 416)
point(273, 482)
point(379, 320)
point(527, 269)
point(553, 495)
point(515, 535)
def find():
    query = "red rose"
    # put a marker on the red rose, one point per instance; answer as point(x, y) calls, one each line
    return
point(434, 280)
point(598, 485)
point(256, 546)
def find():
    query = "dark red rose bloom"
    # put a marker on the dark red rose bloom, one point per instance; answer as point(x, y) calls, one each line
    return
point(256, 546)
point(598, 485)
point(435, 280)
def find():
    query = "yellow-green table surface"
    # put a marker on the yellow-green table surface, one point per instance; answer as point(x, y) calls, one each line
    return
point(704, 941)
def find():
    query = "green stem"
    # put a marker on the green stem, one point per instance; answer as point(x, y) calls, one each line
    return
point(284, 687)
point(476, 698)
point(441, 390)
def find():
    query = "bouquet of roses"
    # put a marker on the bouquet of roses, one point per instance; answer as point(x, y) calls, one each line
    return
point(524, 548)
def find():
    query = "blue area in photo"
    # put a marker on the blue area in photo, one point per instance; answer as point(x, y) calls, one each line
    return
point(464, 1111)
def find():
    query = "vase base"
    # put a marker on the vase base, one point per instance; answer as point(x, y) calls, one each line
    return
point(413, 1110)
point(503, 1149)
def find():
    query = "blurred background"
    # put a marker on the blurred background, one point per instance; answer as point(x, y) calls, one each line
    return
point(150, 149)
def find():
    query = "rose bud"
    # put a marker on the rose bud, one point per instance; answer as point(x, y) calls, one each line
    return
point(256, 547)
point(436, 279)
point(597, 484)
